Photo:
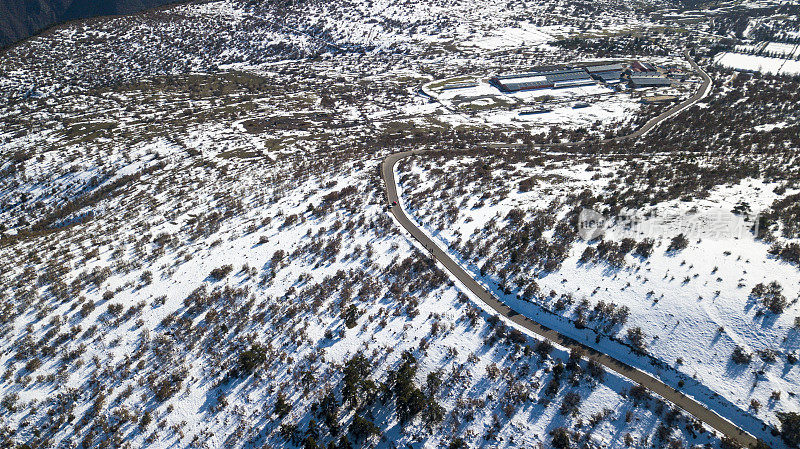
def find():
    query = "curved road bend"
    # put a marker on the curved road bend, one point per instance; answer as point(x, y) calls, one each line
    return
point(690, 405)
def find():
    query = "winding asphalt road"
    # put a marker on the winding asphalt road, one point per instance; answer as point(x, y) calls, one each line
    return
point(690, 405)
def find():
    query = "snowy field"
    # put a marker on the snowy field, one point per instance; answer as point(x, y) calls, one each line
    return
point(764, 64)
point(514, 37)
point(487, 105)
point(287, 252)
point(694, 306)
point(782, 49)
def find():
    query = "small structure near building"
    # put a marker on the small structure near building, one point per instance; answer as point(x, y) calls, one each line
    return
point(678, 75)
point(532, 111)
point(649, 79)
point(656, 99)
point(639, 66)
point(464, 85)
point(648, 74)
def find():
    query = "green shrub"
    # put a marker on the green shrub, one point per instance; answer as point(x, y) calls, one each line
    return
point(362, 428)
point(252, 358)
point(220, 273)
point(678, 243)
point(790, 428)
point(282, 407)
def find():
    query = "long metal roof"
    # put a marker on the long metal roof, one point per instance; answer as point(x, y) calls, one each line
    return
point(650, 81)
point(604, 68)
point(525, 83)
point(567, 75)
point(536, 80)
point(647, 75)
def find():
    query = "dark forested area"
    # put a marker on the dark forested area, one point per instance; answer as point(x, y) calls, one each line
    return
point(20, 19)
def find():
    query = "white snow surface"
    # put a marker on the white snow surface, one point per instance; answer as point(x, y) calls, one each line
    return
point(765, 64)
point(693, 305)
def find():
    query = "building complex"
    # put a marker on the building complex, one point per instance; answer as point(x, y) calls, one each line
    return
point(637, 74)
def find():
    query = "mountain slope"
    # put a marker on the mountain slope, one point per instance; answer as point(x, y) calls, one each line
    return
point(21, 19)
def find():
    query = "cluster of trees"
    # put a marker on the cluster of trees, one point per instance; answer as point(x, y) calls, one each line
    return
point(779, 28)
point(789, 252)
point(123, 61)
point(609, 314)
point(72, 210)
point(519, 247)
point(637, 339)
point(614, 253)
point(741, 355)
point(733, 22)
point(678, 243)
point(220, 273)
point(783, 212)
point(603, 47)
point(771, 296)
point(790, 428)
point(361, 397)
point(225, 311)
point(511, 247)
point(252, 358)
point(410, 401)
point(691, 170)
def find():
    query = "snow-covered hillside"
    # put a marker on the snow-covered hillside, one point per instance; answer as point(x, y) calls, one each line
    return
point(694, 305)
point(195, 247)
